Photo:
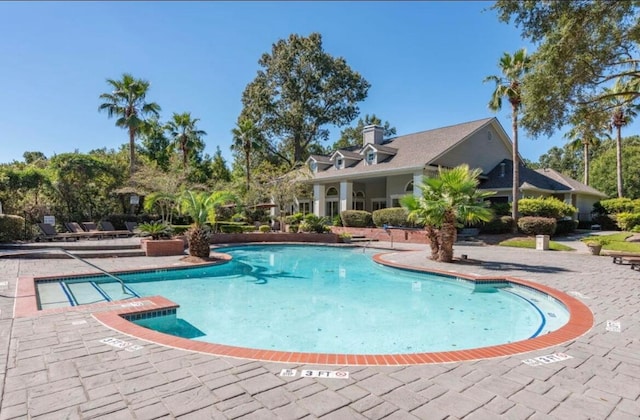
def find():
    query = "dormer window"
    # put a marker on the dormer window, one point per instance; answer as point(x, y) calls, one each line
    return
point(339, 163)
point(371, 157)
point(313, 165)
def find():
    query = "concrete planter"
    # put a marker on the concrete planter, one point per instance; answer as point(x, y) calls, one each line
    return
point(162, 247)
point(594, 248)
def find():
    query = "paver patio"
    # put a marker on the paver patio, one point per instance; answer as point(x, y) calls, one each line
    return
point(53, 365)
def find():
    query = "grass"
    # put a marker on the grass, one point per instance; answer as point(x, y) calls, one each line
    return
point(615, 242)
point(531, 244)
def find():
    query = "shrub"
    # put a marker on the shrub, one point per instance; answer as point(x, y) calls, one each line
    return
point(537, 225)
point(394, 216)
point(617, 205)
point(232, 227)
point(545, 207)
point(117, 220)
point(294, 219)
point(503, 224)
point(627, 221)
point(180, 229)
point(313, 223)
point(501, 209)
point(336, 221)
point(356, 218)
point(605, 222)
point(12, 228)
point(264, 228)
point(156, 229)
point(565, 226)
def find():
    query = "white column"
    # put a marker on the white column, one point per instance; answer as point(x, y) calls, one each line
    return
point(318, 200)
point(346, 195)
point(417, 181)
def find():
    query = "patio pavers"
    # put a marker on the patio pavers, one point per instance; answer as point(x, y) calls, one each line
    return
point(55, 366)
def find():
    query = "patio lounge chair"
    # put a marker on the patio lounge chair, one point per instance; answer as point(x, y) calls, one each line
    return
point(131, 226)
point(620, 257)
point(74, 227)
point(48, 232)
point(108, 227)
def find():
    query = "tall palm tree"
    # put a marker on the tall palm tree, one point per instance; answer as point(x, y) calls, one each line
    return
point(623, 110)
point(186, 137)
point(509, 85)
point(587, 131)
point(201, 207)
point(448, 201)
point(246, 138)
point(127, 102)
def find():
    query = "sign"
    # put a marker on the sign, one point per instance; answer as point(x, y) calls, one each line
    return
point(329, 374)
point(50, 220)
point(549, 358)
point(114, 342)
point(288, 372)
point(134, 200)
point(613, 326)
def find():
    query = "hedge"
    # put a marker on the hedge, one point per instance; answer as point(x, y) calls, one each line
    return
point(545, 207)
point(565, 226)
point(503, 224)
point(11, 228)
point(627, 221)
point(617, 205)
point(394, 216)
point(537, 225)
point(356, 218)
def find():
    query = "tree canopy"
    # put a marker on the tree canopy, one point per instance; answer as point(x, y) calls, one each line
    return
point(299, 90)
point(352, 136)
point(582, 47)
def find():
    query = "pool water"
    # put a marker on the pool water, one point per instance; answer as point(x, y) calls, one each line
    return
point(303, 298)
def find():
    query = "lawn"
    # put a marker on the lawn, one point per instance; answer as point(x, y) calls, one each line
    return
point(615, 242)
point(531, 244)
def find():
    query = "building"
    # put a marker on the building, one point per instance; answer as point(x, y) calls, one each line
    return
point(378, 174)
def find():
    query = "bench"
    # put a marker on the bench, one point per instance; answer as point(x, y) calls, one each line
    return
point(619, 257)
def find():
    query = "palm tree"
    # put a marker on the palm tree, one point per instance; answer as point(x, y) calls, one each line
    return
point(623, 110)
point(448, 201)
point(164, 201)
point(246, 137)
point(509, 85)
point(127, 102)
point(201, 207)
point(587, 131)
point(186, 136)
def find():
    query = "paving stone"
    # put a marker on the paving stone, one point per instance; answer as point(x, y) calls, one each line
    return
point(141, 383)
point(323, 402)
point(348, 413)
point(498, 405)
point(151, 412)
point(500, 386)
point(228, 392)
point(353, 392)
point(291, 412)
point(405, 399)
point(432, 412)
point(519, 411)
point(188, 401)
point(379, 384)
point(581, 407)
point(247, 410)
point(366, 403)
point(631, 407)
point(260, 414)
point(534, 401)
point(261, 383)
point(623, 385)
point(621, 415)
point(18, 411)
point(275, 398)
point(175, 387)
point(380, 411)
point(231, 403)
point(56, 400)
point(455, 404)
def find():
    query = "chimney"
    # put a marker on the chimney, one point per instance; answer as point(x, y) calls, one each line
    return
point(502, 165)
point(372, 134)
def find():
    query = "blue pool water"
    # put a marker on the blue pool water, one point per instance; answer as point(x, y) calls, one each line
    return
point(337, 300)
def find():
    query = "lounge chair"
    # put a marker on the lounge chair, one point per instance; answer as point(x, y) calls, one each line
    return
point(74, 227)
point(108, 227)
point(131, 226)
point(49, 233)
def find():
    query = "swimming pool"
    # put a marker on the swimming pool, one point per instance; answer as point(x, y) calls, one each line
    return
point(337, 300)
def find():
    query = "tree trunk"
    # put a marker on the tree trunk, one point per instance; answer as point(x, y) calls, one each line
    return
point(198, 242)
point(516, 171)
point(619, 161)
point(132, 150)
point(434, 242)
point(447, 239)
point(586, 163)
point(247, 157)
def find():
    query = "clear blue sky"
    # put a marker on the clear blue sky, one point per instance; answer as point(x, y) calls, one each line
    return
point(425, 61)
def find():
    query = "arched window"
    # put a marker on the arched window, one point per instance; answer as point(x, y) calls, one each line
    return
point(409, 187)
point(332, 192)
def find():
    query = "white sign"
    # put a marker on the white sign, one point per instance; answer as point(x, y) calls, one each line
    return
point(549, 358)
point(613, 326)
point(114, 342)
point(330, 374)
point(50, 220)
point(288, 372)
point(134, 199)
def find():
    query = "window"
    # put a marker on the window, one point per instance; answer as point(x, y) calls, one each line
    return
point(304, 207)
point(409, 187)
point(339, 163)
point(378, 203)
point(332, 192)
point(332, 209)
point(358, 200)
point(313, 165)
point(371, 157)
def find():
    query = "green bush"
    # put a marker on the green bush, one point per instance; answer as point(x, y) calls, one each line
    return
point(356, 218)
point(617, 205)
point(565, 226)
point(313, 223)
point(264, 228)
point(232, 227)
point(545, 207)
point(117, 220)
point(394, 216)
point(627, 221)
point(180, 229)
point(503, 224)
point(294, 219)
point(501, 209)
point(537, 225)
point(156, 229)
point(12, 228)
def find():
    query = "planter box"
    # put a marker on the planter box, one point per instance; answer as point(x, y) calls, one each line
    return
point(162, 247)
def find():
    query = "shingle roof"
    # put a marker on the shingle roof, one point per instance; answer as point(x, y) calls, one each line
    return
point(384, 149)
point(412, 150)
point(321, 159)
point(543, 179)
point(349, 154)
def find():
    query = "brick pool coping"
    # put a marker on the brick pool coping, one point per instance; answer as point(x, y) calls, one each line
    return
point(112, 315)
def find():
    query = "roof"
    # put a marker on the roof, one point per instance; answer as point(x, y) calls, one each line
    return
point(384, 149)
point(348, 154)
point(541, 179)
point(412, 150)
point(321, 159)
